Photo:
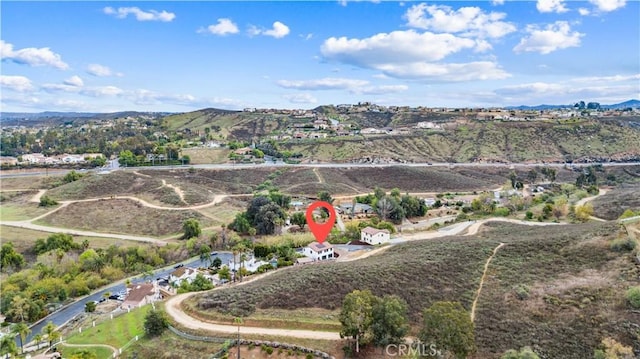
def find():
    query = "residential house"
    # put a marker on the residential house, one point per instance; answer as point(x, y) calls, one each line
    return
point(360, 208)
point(140, 295)
point(182, 274)
point(8, 161)
point(374, 236)
point(319, 251)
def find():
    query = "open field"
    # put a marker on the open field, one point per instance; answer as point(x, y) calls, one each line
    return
point(200, 155)
point(17, 206)
point(116, 332)
point(24, 239)
point(121, 216)
point(27, 182)
point(129, 183)
point(572, 276)
point(614, 203)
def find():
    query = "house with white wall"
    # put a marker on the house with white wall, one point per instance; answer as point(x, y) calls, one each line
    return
point(319, 251)
point(181, 274)
point(374, 236)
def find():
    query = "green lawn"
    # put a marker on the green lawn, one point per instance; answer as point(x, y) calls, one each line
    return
point(116, 332)
point(21, 212)
point(100, 352)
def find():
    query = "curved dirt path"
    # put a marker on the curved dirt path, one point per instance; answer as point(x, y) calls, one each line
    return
point(176, 189)
point(174, 310)
point(37, 196)
point(484, 275)
point(602, 192)
point(318, 175)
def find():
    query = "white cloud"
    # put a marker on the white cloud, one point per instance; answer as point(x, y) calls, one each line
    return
point(408, 54)
point(301, 98)
point(497, 2)
point(32, 56)
point(147, 98)
point(16, 83)
point(308, 36)
point(279, 30)
point(608, 5)
point(141, 15)
point(102, 91)
point(101, 71)
point(551, 6)
point(397, 46)
point(553, 37)
point(223, 27)
point(564, 93)
point(328, 83)
point(584, 11)
point(74, 80)
point(468, 21)
point(479, 70)
point(60, 88)
point(613, 78)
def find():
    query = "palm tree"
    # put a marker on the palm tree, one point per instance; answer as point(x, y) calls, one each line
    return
point(238, 321)
point(50, 331)
point(38, 339)
point(22, 330)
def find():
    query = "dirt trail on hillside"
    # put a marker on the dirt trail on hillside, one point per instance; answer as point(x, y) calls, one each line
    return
point(176, 189)
point(37, 196)
point(484, 275)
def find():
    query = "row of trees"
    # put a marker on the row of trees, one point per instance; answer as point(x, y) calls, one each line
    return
point(65, 269)
point(381, 321)
point(22, 330)
point(394, 207)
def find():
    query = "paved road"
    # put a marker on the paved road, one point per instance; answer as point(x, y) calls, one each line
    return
point(72, 310)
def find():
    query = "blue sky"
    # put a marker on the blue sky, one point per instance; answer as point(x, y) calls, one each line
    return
point(182, 56)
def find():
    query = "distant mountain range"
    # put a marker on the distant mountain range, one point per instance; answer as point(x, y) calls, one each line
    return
point(57, 116)
point(615, 106)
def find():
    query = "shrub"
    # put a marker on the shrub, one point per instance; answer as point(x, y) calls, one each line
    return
point(269, 350)
point(46, 201)
point(155, 322)
point(522, 291)
point(502, 211)
point(529, 215)
point(623, 245)
point(251, 346)
point(309, 356)
point(633, 297)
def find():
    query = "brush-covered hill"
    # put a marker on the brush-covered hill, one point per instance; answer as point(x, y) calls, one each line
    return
point(461, 138)
point(557, 289)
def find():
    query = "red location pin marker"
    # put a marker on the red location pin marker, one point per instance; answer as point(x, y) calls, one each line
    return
point(321, 230)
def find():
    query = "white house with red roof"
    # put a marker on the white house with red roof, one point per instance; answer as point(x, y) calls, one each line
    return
point(374, 236)
point(319, 251)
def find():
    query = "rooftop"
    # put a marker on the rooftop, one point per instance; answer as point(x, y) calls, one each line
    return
point(373, 231)
point(317, 247)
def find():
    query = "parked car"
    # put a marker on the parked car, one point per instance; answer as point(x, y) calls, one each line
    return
point(214, 253)
point(179, 266)
point(114, 296)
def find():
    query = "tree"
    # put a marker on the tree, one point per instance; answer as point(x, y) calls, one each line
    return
point(532, 175)
point(19, 308)
point(126, 158)
point(90, 307)
point(524, 353)
point(549, 173)
point(216, 263)
point(22, 330)
point(155, 322)
point(633, 297)
point(299, 219)
point(584, 212)
point(10, 258)
point(38, 339)
point(449, 325)
point(325, 197)
point(50, 332)
point(205, 255)
point(191, 228)
point(356, 316)
point(240, 224)
point(8, 345)
point(71, 177)
point(389, 320)
point(224, 273)
point(269, 217)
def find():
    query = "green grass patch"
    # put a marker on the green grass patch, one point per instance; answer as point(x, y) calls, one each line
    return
point(115, 332)
point(99, 352)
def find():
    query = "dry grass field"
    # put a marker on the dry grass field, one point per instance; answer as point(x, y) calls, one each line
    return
point(122, 216)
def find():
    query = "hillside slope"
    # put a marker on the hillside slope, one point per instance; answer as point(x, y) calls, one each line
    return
point(575, 286)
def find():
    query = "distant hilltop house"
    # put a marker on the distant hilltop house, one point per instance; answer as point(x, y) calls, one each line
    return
point(39, 158)
point(319, 251)
point(374, 236)
point(360, 208)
